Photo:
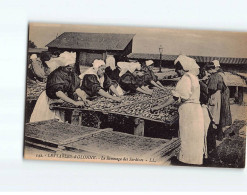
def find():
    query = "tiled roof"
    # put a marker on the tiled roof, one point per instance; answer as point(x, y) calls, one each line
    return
point(203, 59)
point(91, 41)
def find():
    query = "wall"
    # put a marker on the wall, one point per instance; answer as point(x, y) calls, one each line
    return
point(87, 58)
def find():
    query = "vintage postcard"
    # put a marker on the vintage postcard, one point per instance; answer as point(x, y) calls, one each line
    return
point(136, 95)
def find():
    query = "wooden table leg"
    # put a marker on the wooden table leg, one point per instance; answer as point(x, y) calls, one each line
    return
point(75, 117)
point(139, 127)
point(80, 119)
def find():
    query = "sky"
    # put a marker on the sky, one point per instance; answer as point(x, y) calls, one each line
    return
point(148, 40)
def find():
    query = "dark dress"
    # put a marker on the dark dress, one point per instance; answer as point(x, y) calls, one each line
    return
point(216, 82)
point(91, 85)
point(211, 134)
point(62, 80)
point(113, 75)
point(129, 82)
point(149, 75)
point(203, 93)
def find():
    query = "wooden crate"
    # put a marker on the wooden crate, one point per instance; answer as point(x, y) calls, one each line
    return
point(69, 139)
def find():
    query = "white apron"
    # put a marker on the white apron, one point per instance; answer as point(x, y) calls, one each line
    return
point(119, 90)
point(215, 106)
point(191, 120)
point(207, 121)
point(42, 112)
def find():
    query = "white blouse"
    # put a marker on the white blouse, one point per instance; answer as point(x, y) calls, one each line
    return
point(188, 88)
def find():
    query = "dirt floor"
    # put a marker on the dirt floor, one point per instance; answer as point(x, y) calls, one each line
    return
point(230, 152)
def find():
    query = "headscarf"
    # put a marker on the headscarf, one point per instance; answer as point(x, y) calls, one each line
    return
point(97, 64)
point(216, 63)
point(188, 64)
point(65, 58)
point(110, 61)
point(33, 57)
point(134, 66)
point(128, 66)
point(149, 62)
point(93, 70)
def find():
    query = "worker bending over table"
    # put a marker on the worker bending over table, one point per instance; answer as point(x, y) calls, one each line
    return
point(95, 82)
point(129, 77)
point(61, 86)
point(191, 116)
point(149, 77)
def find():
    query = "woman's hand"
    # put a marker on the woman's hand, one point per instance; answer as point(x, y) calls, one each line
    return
point(117, 99)
point(152, 110)
point(149, 93)
point(79, 103)
point(169, 101)
point(88, 103)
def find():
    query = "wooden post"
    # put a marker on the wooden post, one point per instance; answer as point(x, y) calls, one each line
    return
point(77, 63)
point(75, 119)
point(80, 119)
point(104, 55)
point(83, 58)
point(244, 96)
point(236, 95)
point(139, 128)
point(240, 95)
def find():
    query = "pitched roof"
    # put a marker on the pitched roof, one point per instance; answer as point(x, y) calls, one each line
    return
point(91, 41)
point(203, 59)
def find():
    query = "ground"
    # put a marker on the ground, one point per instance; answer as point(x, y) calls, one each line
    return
point(230, 152)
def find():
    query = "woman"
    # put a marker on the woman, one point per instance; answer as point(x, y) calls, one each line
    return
point(131, 79)
point(60, 82)
point(150, 77)
point(38, 69)
point(191, 121)
point(208, 130)
point(58, 59)
point(204, 99)
point(219, 104)
point(113, 73)
point(96, 82)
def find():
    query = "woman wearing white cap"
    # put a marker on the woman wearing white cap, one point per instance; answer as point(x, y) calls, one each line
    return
point(149, 76)
point(38, 67)
point(191, 119)
point(131, 78)
point(60, 82)
point(96, 82)
point(219, 103)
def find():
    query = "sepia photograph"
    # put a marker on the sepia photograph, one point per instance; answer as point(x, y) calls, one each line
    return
point(135, 95)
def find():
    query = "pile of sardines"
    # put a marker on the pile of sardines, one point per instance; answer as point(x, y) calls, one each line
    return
point(137, 105)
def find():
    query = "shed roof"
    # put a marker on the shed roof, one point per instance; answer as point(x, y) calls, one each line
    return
point(91, 41)
point(36, 50)
point(203, 59)
point(234, 80)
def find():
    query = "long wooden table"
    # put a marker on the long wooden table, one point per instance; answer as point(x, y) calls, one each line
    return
point(52, 140)
point(81, 116)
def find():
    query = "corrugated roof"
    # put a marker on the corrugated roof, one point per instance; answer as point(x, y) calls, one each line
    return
point(36, 50)
point(203, 59)
point(91, 41)
point(151, 56)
